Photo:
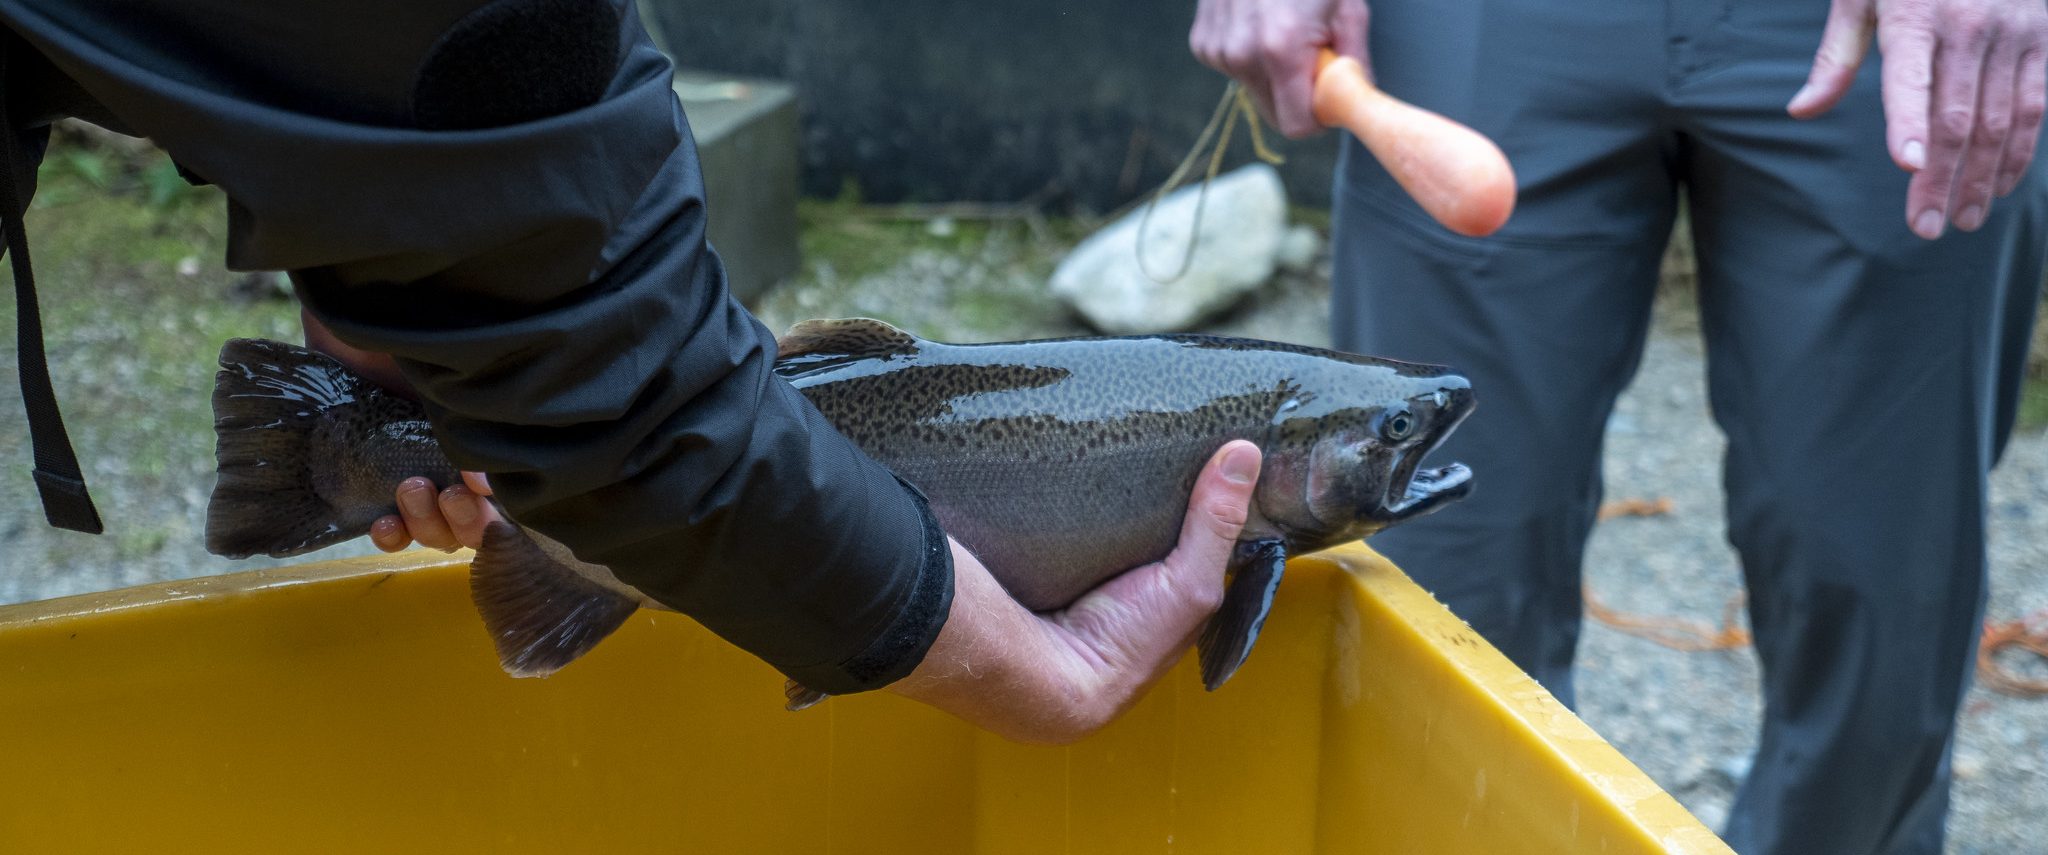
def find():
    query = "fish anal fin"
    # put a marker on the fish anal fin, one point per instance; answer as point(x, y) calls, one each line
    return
point(1256, 568)
point(797, 696)
point(541, 615)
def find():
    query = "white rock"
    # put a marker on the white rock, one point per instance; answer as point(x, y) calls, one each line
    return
point(1298, 249)
point(1241, 229)
point(1967, 765)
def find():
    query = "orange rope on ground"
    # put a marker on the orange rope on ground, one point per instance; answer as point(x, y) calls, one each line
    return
point(1672, 632)
point(1675, 633)
point(2028, 634)
point(1690, 636)
point(1656, 507)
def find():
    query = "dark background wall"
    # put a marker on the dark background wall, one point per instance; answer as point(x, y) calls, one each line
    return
point(987, 100)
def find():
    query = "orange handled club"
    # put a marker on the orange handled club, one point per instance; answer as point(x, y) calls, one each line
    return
point(1458, 176)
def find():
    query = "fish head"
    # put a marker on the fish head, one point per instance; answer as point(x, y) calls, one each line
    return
point(1363, 469)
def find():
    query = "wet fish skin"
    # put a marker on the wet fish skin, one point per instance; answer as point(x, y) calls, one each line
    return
point(1059, 463)
point(309, 454)
point(1062, 463)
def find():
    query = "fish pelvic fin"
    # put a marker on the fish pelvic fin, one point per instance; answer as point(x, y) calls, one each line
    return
point(1256, 568)
point(815, 344)
point(798, 697)
point(540, 614)
point(267, 398)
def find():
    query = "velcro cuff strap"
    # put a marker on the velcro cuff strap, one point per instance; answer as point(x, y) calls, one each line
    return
point(66, 503)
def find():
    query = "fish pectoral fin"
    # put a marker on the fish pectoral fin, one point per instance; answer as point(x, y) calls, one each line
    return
point(816, 344)
point(1228, 638)
point(797, 696)
point(541, 615)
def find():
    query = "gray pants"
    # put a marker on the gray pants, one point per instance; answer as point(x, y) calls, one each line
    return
point(1866, 379)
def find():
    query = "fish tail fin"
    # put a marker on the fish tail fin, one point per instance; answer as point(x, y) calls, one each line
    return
point(267, 398)
point(541, 615)
point(1228, 637)
point(797, 696)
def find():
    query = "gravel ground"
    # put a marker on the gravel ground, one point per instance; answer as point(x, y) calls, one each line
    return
point(1686, 718)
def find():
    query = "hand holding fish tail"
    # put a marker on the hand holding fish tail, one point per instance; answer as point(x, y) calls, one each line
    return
point(455, 517)
point(1055, 678)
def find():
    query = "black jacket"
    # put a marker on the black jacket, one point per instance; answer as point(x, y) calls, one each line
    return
point(505, 196)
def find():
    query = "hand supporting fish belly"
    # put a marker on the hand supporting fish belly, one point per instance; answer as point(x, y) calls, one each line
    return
point(1054, 677)
point(1055, 465)
point(1060, 464)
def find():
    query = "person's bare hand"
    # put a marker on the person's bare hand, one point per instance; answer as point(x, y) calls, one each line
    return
point(378, 368)
point(441, 520)
point(1965, 85)
point(445, 520)
point(1054, 678)
point(1270, 46)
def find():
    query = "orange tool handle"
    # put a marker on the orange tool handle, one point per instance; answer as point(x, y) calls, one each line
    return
point(1459, 177)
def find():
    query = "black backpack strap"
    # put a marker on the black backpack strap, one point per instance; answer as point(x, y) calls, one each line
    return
point(66, 504)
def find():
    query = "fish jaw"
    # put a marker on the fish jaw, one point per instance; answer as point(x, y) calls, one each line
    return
point(1412, 491)
point(1428, 490)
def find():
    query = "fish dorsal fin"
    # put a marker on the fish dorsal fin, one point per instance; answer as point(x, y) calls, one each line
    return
point(818, 346)
point(846, 338)
point(541, 615)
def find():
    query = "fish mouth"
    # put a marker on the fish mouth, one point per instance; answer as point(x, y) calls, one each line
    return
point(1413, 491)
point(1426, 490)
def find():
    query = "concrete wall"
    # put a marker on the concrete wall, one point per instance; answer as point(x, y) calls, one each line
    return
point(985, 100)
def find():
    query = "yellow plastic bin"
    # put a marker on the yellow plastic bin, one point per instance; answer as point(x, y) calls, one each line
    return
point(355, 706)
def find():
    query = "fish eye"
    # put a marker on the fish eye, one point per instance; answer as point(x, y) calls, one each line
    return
point(1397, 426)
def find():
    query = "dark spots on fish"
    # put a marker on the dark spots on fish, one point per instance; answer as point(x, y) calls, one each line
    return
point(923, 399)
point(380, 582)
point(1063, 462)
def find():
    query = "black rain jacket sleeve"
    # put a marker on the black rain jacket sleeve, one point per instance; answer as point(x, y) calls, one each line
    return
point(505, 196)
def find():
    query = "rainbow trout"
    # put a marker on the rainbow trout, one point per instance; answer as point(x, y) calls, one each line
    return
point(1058, 463)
